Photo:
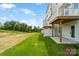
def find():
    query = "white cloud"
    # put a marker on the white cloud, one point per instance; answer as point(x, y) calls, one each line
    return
point(7, 5)
point(27, 11)
point(5, 18)
point(11, 15)
point(32, 22)
point(33, 14)
point(14, 10)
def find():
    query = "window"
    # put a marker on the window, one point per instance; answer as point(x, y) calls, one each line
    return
point(73, 31)
point(75, 5)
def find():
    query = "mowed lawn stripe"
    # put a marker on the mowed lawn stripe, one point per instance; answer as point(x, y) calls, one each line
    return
point(36, 45)
point(29, 47)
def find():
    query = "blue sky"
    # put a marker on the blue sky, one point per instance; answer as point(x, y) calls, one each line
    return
point(30, 13)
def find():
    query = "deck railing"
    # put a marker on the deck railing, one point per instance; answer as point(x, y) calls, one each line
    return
point(71, 12)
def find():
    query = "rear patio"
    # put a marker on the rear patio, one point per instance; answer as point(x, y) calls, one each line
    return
point(64, 40)
point(65, 29)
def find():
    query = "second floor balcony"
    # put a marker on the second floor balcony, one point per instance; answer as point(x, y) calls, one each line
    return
point(65, 12)
point(71, 12)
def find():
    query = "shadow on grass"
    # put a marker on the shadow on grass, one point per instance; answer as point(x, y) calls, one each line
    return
point(53, 49)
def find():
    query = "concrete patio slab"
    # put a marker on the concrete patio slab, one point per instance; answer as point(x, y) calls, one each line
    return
point(65, 41)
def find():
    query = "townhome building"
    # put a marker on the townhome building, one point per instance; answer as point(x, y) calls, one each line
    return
point(63, 21)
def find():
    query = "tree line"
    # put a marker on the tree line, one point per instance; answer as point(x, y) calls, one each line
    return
point(17, 26)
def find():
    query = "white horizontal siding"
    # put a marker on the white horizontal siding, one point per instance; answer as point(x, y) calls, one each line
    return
point(47, 32)
point(66, 29)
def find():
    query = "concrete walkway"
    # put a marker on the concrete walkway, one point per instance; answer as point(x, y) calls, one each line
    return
point(65, 41)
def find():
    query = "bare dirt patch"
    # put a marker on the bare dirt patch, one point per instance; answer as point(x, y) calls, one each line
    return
point(11, 40)
point(2, 34)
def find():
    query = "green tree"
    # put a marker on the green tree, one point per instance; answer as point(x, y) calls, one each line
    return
point(29, 28)
point(37, 29)
point(9, 25)
point(0, 26)
point(17, 26)
point(23, 26)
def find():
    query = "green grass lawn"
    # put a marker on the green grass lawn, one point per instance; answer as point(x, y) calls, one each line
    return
point(37, 45)
point(12, 31)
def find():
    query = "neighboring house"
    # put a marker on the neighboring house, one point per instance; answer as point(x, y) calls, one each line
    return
point(64, 18)
point(47, 31)
point(47, 27)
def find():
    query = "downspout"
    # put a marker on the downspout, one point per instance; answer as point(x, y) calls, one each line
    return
point(52, 24)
